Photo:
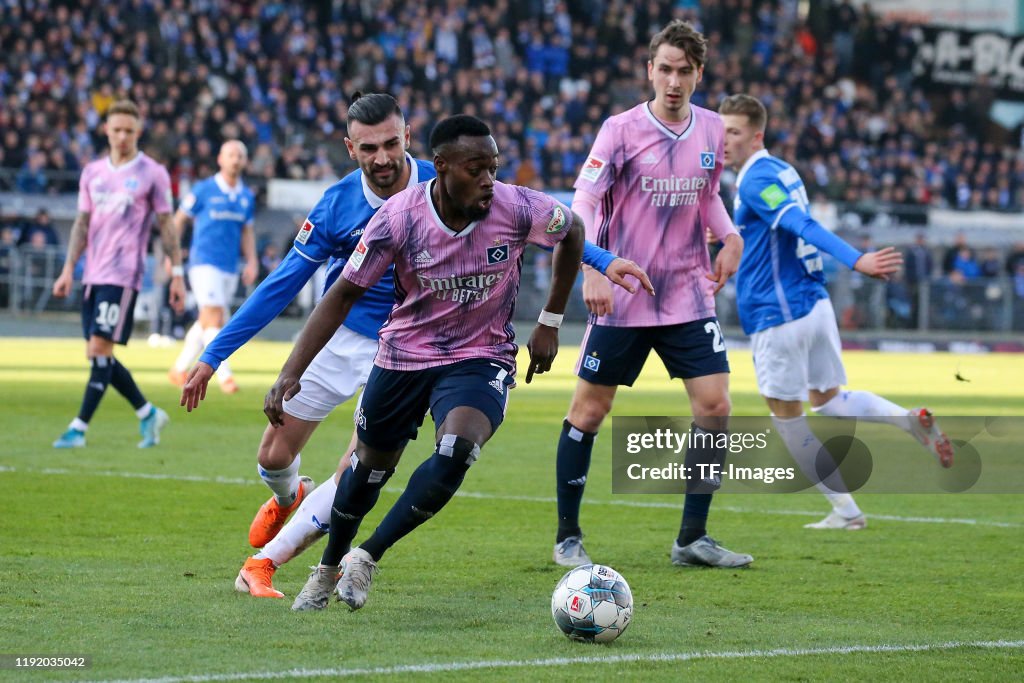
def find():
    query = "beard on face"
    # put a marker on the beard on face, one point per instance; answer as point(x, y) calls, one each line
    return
point(387, 181)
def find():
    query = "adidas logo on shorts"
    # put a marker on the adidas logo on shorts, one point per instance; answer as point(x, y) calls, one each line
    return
point(497, 385)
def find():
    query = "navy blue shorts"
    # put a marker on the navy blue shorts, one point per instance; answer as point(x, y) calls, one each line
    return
point(614, 356)
point(395, 402)
point(108, 311)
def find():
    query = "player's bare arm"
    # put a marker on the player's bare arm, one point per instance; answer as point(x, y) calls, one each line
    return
point(181, 221)
point(171, 240)
point(249, 252)
point(325, 320)
point(727, 262)
point(880, 264)
point(565, 264)
point(76, 245)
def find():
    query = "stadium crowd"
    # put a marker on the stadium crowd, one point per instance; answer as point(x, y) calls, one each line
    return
point(546, 73)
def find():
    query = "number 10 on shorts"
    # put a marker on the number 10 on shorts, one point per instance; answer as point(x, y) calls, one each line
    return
point(717, 343)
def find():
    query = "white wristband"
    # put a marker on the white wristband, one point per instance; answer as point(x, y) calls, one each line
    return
point(177, 271)
point(550, 319)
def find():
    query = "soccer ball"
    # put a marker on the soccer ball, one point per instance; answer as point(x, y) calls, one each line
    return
point(592, 603)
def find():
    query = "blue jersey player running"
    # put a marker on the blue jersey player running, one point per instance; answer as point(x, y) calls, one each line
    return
point(378, 138)
point(221, 209)
point(785, 308)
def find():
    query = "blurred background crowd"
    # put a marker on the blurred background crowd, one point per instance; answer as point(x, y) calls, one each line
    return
point(545, 73)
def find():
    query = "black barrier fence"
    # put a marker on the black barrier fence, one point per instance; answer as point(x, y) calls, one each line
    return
point(649, 455)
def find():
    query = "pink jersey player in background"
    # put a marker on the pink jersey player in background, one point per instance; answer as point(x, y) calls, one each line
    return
point(118, 197)
point(648, 191)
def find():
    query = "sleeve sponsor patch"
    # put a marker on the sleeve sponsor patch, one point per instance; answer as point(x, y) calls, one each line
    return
point(557, 222)
point(356, 259)
point(773, 196)
point(592, 169)
point(304, 232)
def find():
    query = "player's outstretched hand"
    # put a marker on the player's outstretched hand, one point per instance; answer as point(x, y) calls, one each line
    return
point(273, 405)
point(194, 390)
point(597, 292)
point(618, 269)
point(543, 347)
point(727, 262)
point(879, 264)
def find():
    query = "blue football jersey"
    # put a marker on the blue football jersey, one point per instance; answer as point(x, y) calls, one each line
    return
point(219, 213)
point(332, 231)
point(780, 276)
point(329, 234)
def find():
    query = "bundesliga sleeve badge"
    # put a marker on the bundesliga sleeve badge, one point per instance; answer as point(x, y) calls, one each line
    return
point(304, 232)
point(358, 254)
point(592, 169)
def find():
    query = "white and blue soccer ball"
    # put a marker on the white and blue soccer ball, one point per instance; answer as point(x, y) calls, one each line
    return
point(592, 603)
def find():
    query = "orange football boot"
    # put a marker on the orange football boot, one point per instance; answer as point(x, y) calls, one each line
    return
point(256, 579)
point(271, 516)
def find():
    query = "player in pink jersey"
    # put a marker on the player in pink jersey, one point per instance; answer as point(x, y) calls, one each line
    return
point(456, 244)
point(647, 191)
point(118, 196)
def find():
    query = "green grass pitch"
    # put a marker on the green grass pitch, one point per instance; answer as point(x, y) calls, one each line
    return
point(128, 556)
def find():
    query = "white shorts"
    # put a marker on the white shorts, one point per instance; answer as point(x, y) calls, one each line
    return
point(337, 374)
point(799, 355)
point(211, 286)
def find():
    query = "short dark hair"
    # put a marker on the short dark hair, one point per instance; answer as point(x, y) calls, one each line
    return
point(372, 108)
point(452, 128)
point(745, 105)
point(123, 107)
point(682, 35)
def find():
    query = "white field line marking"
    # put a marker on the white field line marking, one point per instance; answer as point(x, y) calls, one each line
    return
point(240, 481)
point(442, 667)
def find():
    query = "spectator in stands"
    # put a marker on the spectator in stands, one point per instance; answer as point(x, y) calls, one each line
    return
point(918, 261)
point(32, 179)
point(965, 266)
point(39, 232)
point(8, 244)
point(1015, 269)
point(270, 259)
point(917, 270)
point(953, 252)
point(273, 73)
point(991, 265)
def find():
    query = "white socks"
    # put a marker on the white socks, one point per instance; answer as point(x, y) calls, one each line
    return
point(192, 348)
point(284, 483)
point(197, 339)
point(223, 370)
point(307, 525)
point(863, 405)
point(804, 446)
point(143, 412)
